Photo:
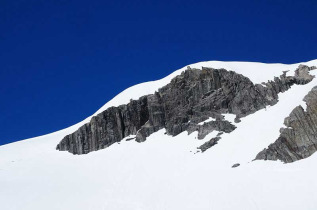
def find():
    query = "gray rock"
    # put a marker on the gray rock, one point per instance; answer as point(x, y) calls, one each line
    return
point(187, 100)
point(236, 165)
point(129, 139)
point(299, 139)
point(302, 75)
point(106, 128)
point(209, 144)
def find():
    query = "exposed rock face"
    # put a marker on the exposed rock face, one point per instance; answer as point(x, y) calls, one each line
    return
point(299, 139)
point(107, 128)
point(187, 100)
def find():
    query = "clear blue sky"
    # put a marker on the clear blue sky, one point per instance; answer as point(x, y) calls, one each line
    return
point(62, 60)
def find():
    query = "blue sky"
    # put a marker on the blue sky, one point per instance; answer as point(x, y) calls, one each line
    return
point(62, 60)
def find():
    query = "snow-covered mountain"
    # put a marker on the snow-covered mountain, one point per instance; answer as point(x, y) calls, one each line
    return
point(169, 171)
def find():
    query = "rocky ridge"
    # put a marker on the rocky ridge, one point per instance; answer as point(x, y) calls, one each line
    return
point(188, 100)
point(299, 139)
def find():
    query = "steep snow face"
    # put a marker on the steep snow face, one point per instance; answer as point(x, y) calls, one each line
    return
point(166, 172)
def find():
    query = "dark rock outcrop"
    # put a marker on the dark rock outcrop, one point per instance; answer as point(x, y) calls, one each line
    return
point(299, 139)
point(235, 165)
point(107, 128)
point(187, 100)
point(207, 127)
point(212, 142)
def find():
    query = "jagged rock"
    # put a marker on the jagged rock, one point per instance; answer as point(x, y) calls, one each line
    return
point(299, 139)
point(187, 100)
point(302, 75)
point(206, 128)
point(209, 144)
point(106, 128)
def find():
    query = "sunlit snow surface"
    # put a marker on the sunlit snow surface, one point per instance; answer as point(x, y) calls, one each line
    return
point(165, 172)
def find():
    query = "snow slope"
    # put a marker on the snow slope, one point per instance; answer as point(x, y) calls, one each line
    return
point(165, 172)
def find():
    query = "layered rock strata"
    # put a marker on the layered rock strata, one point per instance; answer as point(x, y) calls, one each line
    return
point(181, 105)
point(299, 139)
